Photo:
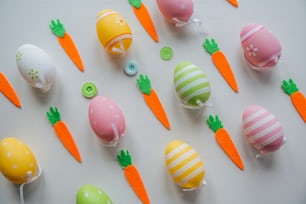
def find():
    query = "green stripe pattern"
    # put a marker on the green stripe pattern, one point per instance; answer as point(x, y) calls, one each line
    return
point(191, 84)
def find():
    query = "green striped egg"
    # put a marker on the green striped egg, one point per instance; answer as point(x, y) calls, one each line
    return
point(191, 84)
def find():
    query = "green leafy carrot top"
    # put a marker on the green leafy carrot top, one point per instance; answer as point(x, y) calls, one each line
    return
point(210, 46)
point(124, 159)
point(57, 28)
point(214, 123)
point(144, 84)
point(54, 115)
point(135, 3)
point(289, 87)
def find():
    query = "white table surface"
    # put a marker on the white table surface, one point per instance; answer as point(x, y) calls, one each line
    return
point(280, 179)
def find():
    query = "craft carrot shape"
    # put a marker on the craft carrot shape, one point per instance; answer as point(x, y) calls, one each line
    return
point(233, 2)
point(152, 100)
point(144, 18)
point(296, 96)
point(8, 91)
point(63, 133)
point(67, 43)
point(224, 140)
point(133, 176)
point(221, 62)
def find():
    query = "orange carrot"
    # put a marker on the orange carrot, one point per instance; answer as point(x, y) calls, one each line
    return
point(233, 2)
point(224, 140)
point(297, 97)
point(152, 100)
point(63, 133)
point(221, 63)
point(67, 43)
point(144, 18)
point(132, 176)
point(8, 91)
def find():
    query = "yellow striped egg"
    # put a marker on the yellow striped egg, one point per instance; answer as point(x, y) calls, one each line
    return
point(113, 32)
point(17, 162)
point(191, 84)
point(184, 165)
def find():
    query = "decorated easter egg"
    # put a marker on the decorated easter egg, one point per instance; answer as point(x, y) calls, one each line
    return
point(90, 194)
point(36, 67)
point(106, 119)
point(262, 129)
point(262, 49)
point(113, 32)
point(177, 12)
point(184, 165)
point(17, 161)
point(191, 84)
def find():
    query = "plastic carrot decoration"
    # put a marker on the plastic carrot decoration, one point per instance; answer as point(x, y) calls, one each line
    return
point(224, 140)
point(296, 96)
point(133, 176)
point(152, 100)
point(8, 91)
point(67, 43)
point(144, 18)
point(233, 2)
point(221, 62)
point(63, 133)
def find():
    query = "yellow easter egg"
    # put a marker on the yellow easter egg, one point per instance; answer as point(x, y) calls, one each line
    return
point(113, 32)
point(184, 165)
point(17, 162)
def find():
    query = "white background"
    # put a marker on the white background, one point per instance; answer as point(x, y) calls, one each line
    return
point(280, 179)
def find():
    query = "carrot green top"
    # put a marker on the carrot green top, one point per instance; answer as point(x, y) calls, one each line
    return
point(54, 115)
point(124, 159)
point(289, 87)
point(135, 3)
point(144, 84)
point(57, 28)
point(210, 46)
point(214, 123)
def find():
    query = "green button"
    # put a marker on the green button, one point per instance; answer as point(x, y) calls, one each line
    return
point(89, 89)
point(166, 53)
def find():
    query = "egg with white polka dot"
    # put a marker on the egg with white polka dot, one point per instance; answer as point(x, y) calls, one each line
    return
point(17, 162)
point(90, 194)
point(106, 120)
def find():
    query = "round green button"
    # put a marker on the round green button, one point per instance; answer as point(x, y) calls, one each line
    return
point(166, 53)
point(89, 89)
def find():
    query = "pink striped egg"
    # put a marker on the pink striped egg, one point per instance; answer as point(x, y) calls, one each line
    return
point(262, 49)
point(262, 129)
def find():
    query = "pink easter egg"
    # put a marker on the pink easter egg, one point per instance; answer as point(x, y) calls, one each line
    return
point(262, 49)
point(176, 11)
point(106, 119)
point(262, 129)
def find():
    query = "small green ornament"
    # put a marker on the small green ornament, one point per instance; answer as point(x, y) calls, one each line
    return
point(135, 3)
point(214, 123)
point(289, 87)
point(57, 28)
point(166, 53)
point(210, 46)
point(33, 74)
point(144, 84)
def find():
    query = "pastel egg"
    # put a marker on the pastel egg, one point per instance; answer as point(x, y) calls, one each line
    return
point(176, 11)
point(184, 165)
point(90, 194)
point(36, 67)
point(262, 129)
point(191, 84)
point(261, 48)
point(113, 32)
point(17, 162)
point(106, 119)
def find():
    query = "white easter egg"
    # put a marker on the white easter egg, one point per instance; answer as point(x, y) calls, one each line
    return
point(36, 67)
